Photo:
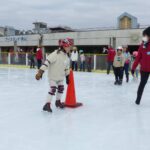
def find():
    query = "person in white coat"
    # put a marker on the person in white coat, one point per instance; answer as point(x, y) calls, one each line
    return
point(58, 65)
point(74, 59)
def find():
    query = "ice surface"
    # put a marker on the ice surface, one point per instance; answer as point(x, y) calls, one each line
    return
point(109, 119)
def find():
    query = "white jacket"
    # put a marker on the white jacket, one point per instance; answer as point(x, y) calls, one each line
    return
point(74, 56)
point(58, 65)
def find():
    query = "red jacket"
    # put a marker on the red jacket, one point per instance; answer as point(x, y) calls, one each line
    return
point(39, 54)
point(143, 58)
point(111, 55)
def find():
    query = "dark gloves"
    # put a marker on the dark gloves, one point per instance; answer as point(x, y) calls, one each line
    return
point(132, 71)
point(67, 79)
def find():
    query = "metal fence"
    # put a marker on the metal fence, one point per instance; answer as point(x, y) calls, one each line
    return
point(96, 61)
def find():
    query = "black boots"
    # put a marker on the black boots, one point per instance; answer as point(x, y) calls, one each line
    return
point(47, 107)
point(138, 100)
point(127, 78)
point(118, 82)
point(59, 104)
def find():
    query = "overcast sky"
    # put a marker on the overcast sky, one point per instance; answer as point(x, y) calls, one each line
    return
point(76, 14)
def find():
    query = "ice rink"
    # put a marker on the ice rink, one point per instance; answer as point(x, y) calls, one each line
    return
point(108, 120)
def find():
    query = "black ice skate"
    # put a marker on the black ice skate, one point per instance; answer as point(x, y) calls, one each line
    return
point(127, 79)
point(120, 82)
point(137, 102)
point(47, 107)
point(59, 104)
point(116, 82)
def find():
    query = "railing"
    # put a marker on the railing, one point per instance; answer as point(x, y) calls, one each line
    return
point(14, 58)
point(96, 61)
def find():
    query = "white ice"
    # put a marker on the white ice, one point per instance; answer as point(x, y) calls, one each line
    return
point(108, 120)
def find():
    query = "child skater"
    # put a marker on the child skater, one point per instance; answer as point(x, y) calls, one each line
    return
point(118, 66)
point(144, 59)
point(58, 67)
point(127, 57)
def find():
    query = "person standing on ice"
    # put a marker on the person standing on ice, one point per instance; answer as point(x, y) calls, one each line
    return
point(31, 58)
point(58, 65)
point(110, 58)
point(127, 57)
point(39, 57)
point(143, 58)
point(82, 61)
point(118, 66)
point(135, 54)
point(74, 59)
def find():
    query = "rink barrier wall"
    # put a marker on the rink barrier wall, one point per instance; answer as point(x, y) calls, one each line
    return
point(94, 61)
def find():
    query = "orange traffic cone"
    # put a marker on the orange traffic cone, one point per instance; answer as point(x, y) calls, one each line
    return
point(71, 94)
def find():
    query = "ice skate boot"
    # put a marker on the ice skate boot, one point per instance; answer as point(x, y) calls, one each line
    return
point(47, 107)
point(120, 82)
point(137, 102)
point(127, 79)
point(59, 104)
point(116, 82)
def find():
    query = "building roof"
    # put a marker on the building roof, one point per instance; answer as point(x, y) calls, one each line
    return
point(40, 23)
point(61, 29)
point(128, 15)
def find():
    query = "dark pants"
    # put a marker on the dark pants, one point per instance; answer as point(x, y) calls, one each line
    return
point(109, 65)
point(118, 71)
point(39, 63)
point(126, 70)
point(144, 79)
point(74, 65)
point(89, 67)
point(82, 66)
point(32, 63)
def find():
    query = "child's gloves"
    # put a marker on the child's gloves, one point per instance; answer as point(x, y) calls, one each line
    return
point(39, 74)
point(67, 79)
point(132, 71)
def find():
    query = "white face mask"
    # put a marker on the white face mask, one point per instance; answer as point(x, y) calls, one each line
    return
point(145, 38)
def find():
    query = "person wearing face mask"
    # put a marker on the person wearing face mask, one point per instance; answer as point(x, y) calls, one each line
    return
point(143, 58)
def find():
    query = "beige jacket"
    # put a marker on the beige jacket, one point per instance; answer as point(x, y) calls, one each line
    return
point(58, 65)
point(119, 61)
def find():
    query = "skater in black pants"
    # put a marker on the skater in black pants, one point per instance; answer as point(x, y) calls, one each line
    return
point(32, 61)
point(118, 71)
point(118, 66)
point(110, 58)
point(144, 59)
point(74, 59)
point(39, 57)
point(144, 79)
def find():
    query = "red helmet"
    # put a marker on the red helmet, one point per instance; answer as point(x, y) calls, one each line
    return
point(66, 42)
point(135, 53)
